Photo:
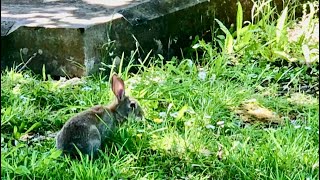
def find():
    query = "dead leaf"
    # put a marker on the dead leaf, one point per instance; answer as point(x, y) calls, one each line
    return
point(205, 152)
point(315, 165)
point(37, 137)
point(302, 99)
point(220, 123)
point(63, 82)
point(26, 137)
point(251, 111)
point(220, 152)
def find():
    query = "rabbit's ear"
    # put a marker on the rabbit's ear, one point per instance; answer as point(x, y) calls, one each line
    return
point(118, 87)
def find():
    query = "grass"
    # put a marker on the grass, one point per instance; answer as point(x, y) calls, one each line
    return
point(185, 101)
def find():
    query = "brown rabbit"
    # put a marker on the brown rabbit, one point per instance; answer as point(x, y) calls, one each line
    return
point(88, 130)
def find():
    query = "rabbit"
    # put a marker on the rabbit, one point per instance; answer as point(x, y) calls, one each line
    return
point(88, 130)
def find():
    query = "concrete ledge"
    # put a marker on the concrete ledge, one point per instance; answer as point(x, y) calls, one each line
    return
point(70, 34)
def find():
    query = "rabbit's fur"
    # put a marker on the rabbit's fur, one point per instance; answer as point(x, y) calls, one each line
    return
point(88, 130)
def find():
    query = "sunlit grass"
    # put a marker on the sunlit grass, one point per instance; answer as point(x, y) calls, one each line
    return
point(190, 129)
point(180, 137)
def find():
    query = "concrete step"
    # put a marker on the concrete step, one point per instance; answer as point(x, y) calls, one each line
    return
point(73, 37)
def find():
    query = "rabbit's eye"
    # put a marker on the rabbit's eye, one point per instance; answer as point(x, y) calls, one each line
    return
point(133, 105)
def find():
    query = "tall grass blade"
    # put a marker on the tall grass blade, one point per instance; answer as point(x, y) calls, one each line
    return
point(280, 24)
point(239, 20)
point(43, 73)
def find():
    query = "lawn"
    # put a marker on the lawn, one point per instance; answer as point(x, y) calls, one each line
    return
point(243, 106)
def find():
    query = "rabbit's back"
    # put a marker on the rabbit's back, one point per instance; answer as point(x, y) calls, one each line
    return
point(106, 126)
point(82, 132)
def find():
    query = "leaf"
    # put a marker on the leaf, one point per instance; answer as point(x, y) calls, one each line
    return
point(229, 44)
point(34, 126)
point(196, 46)
point(161, 57)
point(285, 56)
point(46, 161)
point(221, 37)
point(23, 170)
point(5, 165)
point(280, 24)
point(182, 111)
point(239, 20)
point(22, 126)
point(104, 64)
point(16, 134)
point(306, 53)
point(245, 29)
point(55, 154)
point(222, 27)
point(8, 114)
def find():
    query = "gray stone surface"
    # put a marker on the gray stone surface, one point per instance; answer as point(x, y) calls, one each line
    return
point(6, 27)
point(73, 35)
point(63, 14)
point(68, 33)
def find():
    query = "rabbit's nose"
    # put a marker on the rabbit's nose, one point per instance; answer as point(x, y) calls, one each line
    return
point(133, 105)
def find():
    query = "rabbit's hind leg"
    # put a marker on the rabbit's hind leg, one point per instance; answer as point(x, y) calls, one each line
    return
point(83, 137)
point(94, 140)
point(90, 141)
point(87, 141)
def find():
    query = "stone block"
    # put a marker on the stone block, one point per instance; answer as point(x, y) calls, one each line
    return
point(72, 36)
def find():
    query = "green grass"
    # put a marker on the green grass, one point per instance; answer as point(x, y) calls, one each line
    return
point(183, 100)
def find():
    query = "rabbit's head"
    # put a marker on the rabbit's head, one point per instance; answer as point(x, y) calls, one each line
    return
point(125, 105)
